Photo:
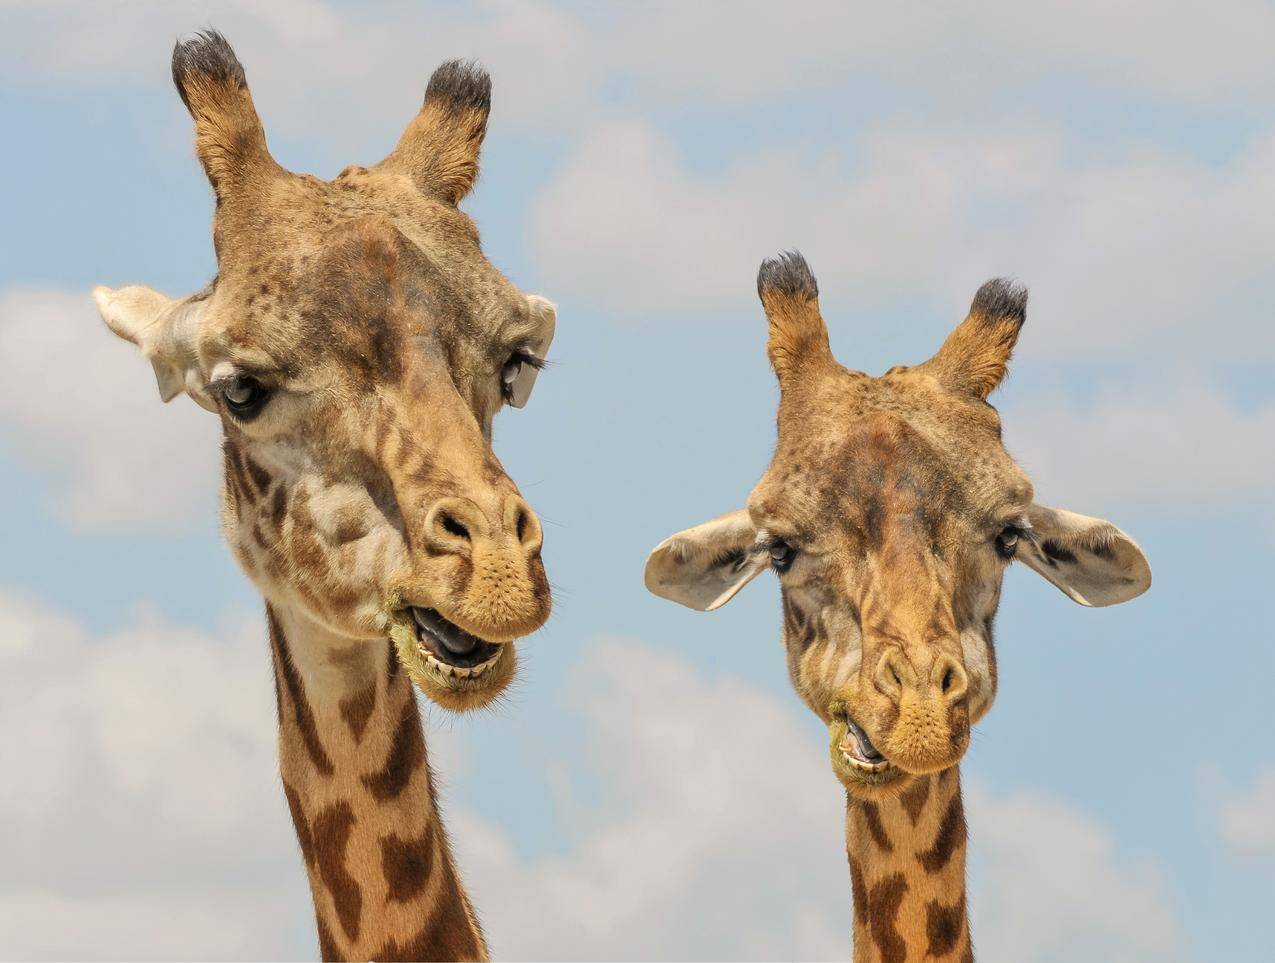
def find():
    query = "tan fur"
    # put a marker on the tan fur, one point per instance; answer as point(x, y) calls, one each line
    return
point(365, 484)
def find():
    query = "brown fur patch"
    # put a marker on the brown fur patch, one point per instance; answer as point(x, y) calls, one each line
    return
point(943, 926)
point(407, 863)
point(883, 908)
point(915, 798)
point(356, 710)
point(949, 838)
point(332, 830)
point(858, 891)
point(301, 823)
point(302, 714)
point(260, 477)
point(406, 755)
point(872, 816)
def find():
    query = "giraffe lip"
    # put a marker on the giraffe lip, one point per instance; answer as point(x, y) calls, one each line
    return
point(449, 643)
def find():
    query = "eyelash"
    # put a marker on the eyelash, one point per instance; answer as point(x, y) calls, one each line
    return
point(782, 562)
point(519, 356)
point(1018, 531)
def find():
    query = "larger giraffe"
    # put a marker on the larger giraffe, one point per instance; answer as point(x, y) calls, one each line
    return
point(890, 511)
point(356, 345)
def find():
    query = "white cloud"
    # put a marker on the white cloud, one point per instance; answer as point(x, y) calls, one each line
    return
point(719, 837)
point(363, 71)
point(759, 48)
point(141, 811)
point(82, 405)
point(142, 818)
point(1141, 256)
point(1177, 440)
point(1048, 885)
point(750, 50)
point(717, 834)
point(1248, 819)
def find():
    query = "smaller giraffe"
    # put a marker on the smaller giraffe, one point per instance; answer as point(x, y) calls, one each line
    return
point(889, 512)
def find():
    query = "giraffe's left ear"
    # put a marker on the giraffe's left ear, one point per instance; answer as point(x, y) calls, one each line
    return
point(544, 315)
point(165, 329)
point(1091, 560)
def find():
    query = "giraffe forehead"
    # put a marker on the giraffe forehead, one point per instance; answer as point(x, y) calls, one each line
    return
point(881, 457)
point(355, 277)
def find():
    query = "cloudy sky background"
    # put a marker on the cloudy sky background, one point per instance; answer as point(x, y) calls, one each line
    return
point(1117, 157)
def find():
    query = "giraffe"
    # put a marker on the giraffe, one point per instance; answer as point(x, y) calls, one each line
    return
point(890, 511)
point(356, 345)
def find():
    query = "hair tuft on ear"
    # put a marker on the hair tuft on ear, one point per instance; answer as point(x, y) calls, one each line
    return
point(206, 58)
point(461, 85)
point(789, 275)
point(1001, 299)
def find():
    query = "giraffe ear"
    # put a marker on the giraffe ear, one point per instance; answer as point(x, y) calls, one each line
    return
point(705, 566)
point(976, 354)
point(439, 149)
point(544, 314)
point(1091, 560)
point(167, 332)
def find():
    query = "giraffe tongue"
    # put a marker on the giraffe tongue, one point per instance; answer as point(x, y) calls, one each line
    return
point(453, 639)
point(864, 748)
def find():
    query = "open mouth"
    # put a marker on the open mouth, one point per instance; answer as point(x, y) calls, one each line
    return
point(450, 650)
point(858, 749)
point(854, 758)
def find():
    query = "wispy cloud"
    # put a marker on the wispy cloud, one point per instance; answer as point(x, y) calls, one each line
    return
point(149, 822)
point(1248, 818)
point(82, 406)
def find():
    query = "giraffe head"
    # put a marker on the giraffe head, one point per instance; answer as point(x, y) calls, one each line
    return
point(356, 345)
point(890, 511)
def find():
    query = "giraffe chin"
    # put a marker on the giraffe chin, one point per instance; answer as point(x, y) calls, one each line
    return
point(859, 766)
point(452, 687)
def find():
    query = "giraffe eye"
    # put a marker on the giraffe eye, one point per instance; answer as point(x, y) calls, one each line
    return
point(518, 375)
point(781, 555)
point(1007, 541)
point(245, 396)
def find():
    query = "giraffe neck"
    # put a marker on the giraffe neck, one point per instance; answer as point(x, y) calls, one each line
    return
point(907, 872)
point(352, 758)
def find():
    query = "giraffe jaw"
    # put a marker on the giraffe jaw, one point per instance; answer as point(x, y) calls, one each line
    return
point(427, 647)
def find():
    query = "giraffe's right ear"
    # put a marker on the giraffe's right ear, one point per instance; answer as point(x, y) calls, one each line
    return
point(167, 332)
point(703, 567)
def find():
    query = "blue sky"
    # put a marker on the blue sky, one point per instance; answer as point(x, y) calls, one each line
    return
point(641, 161)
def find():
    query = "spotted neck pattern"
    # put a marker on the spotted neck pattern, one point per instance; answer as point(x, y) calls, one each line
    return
point(907, 873)
point(359, 786)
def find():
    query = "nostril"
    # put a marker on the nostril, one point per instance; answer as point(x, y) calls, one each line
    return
point(950, 678)
point(520, 529)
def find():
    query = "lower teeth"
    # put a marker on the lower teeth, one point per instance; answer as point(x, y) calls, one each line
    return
point(456, 671)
